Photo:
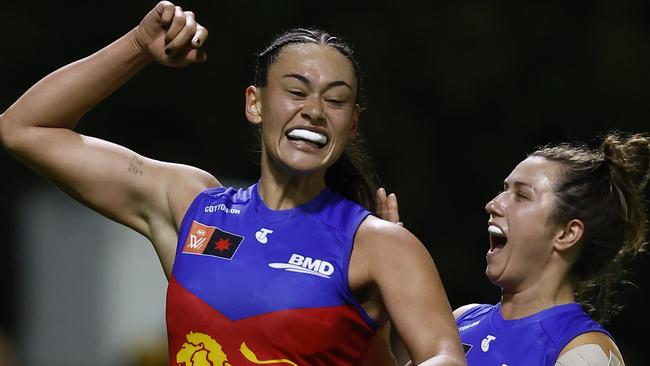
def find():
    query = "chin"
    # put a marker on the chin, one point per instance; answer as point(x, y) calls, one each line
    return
point(298, 166)
point(302, 169)
point(492, 277)
point(305, 166)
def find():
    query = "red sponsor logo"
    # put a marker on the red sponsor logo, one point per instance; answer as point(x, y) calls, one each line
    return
point(198, 238)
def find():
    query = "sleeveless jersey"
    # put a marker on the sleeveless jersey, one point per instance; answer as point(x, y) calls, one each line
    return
point(535, 340)
point(251, 285)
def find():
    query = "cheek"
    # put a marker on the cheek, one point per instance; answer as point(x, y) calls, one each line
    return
point(528, 229)
point(277, 106)
point(289, 106)
point(275, 118)
point(343, 121)
point(342, 141)
point(533, 245)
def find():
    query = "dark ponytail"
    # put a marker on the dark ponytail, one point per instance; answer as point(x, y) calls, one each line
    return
point(353, 175)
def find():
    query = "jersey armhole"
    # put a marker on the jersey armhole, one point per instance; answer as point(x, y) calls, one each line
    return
point(346, 280)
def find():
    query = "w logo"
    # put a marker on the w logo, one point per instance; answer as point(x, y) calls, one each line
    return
point(198, 237)
point(195, 242)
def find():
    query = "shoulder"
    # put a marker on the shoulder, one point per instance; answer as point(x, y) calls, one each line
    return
point(190, 175)
point(592, 349)
point(386, 245)
point(182, 184)
point(383, 235)
point(458, 312)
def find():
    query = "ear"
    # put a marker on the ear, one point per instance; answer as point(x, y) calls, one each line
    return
point(253, 105)
point(569, 235)
point(356, 115)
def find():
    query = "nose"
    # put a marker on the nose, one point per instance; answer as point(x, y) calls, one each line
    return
point(495, 206)
point(312, 110)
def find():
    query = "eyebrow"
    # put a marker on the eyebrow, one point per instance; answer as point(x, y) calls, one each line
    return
point(329, 86)
point(519, 184)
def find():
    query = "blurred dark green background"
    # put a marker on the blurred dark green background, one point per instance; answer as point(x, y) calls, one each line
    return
point(457, 93)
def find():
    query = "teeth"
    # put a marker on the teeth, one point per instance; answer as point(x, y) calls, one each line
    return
point(496, 231)
point(307, 135)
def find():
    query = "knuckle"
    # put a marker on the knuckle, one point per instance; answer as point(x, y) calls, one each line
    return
point(165, 7)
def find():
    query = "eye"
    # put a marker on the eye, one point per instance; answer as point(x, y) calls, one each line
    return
point(297, 93)
point(521, 196)
point(335, 102)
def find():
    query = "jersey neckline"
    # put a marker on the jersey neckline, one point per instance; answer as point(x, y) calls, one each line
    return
point(500, 322)
point(278, 215)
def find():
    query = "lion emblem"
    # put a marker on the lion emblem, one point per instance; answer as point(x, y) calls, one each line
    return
point(201, 350)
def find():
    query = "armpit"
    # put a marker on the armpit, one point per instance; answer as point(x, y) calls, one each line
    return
point(588, 355)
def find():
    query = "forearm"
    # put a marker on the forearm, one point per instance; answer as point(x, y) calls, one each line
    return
point(61, 98)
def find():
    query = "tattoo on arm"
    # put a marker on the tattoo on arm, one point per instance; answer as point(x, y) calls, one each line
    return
point(135, 166)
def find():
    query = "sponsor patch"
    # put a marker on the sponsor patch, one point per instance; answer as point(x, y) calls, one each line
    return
point(210, 240)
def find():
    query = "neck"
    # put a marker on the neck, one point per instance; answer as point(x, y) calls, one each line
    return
point(553, 288)
point(281, 191)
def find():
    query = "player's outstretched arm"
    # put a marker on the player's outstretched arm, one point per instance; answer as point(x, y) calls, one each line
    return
point(39, 129)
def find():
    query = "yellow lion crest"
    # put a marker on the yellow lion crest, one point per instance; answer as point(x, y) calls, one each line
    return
point(201, 350)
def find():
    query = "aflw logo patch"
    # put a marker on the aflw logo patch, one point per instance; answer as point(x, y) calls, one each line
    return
point(308, 265)
point(210, 240)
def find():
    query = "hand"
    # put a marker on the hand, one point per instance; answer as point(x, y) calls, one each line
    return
point(387, 207)
point(172, 36)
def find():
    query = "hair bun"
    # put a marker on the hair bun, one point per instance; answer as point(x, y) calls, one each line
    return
point(632, 153)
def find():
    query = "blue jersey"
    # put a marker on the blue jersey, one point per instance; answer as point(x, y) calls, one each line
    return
point(251, 285)
point(535, 340)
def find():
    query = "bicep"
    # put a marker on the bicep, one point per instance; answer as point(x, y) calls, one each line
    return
point(107, 177)
point(414, 296)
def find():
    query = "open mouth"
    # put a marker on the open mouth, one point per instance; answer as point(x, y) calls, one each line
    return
point(310, 137)
point(498, 238)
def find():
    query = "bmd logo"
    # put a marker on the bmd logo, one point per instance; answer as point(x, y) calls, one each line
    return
point(302, 264)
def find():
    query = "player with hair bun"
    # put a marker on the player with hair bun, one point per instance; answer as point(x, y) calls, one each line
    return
point(567, 221)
